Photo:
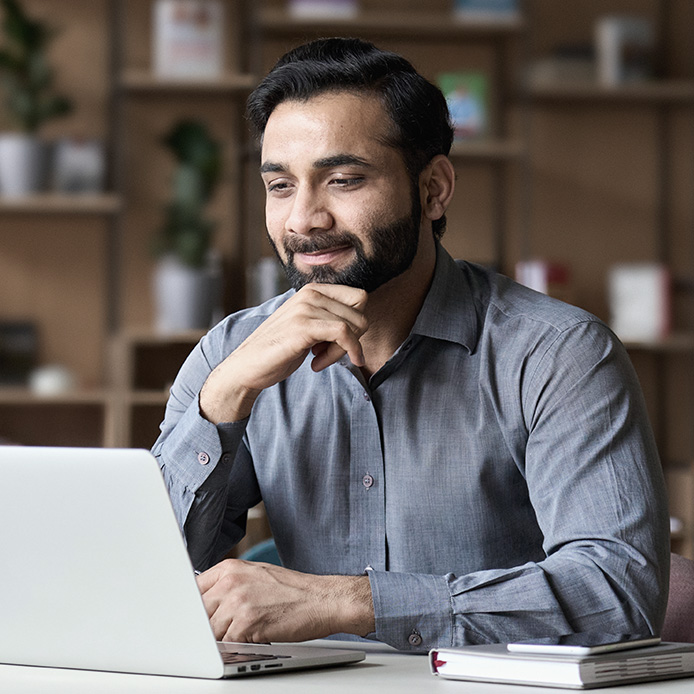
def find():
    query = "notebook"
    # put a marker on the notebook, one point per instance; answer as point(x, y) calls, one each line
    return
point(495, 663)
point(96, 575)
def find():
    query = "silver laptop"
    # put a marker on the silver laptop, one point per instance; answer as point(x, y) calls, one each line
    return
point(95, 574)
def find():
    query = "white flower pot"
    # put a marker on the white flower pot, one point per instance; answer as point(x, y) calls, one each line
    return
point(184, 297)
point(22, 164)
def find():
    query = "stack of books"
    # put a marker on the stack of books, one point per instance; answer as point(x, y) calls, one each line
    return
point(495, 663)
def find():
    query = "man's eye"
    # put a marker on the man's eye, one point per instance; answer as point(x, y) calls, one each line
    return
point(276, 187)
point(347, 181)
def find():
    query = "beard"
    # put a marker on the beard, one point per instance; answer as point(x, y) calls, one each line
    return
point(394, 247)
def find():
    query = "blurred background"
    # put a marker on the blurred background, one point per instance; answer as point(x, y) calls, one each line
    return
point(127, 175)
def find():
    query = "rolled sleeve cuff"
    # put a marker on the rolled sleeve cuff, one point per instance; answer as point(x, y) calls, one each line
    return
point(413, 612)
point(192, 449)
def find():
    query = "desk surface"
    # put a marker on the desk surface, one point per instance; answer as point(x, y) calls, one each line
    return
point(383, 672)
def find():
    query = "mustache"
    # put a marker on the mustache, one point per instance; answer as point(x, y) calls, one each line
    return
point(321, 242)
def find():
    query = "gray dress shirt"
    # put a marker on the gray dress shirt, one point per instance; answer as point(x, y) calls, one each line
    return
point(497, 476)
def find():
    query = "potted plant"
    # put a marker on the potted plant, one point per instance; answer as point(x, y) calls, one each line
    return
point(27, 81)
point(185, 279)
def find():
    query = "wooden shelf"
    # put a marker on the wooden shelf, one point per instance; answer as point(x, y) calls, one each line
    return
point(157, 398)
point(78, 418)
point(24, 396)
point(61, 203)
point(414, 26)
point(146, 336)
point(146, 82)
point(679, 342)
point(656, 92)
point(487, 150)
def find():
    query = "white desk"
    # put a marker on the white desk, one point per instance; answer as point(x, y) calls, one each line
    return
point(383, 672)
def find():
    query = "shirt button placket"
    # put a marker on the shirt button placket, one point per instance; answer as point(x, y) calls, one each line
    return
point(367, 499)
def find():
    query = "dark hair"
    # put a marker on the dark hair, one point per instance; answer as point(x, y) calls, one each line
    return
point(417, 109)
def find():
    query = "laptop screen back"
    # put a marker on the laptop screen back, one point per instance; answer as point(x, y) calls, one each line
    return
point(95, 572)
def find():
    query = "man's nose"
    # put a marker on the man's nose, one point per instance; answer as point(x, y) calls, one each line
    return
point(308, 213)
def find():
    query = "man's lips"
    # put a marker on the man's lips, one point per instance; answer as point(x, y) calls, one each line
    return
point(322, 257)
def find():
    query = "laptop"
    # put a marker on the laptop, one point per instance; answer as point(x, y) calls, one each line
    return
point(96, 576)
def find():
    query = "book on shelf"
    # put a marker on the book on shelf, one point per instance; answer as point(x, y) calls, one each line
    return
point(323, 9)
point(549, 277)
point(495, 663)
point(487, 10)
point(188, 39)
point(466, 96)
point(639, 301)
point(625, 49)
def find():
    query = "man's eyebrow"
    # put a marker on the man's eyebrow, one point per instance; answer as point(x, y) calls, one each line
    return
point(323, 163)
point(272, 167)
point(340, 160)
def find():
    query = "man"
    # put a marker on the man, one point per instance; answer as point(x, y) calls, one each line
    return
point(445, 457)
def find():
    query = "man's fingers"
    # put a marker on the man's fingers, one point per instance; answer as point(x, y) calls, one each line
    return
point(339, 339)
point(350, 296)
point(332, 352)
point(333, 305)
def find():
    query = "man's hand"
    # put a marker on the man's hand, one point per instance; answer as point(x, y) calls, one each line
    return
point(327, 319)
point(257, 603)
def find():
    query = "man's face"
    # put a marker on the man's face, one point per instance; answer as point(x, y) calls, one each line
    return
point(340, 205)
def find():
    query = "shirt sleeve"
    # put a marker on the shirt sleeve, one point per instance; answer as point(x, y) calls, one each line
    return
point(597, 488)
point(201, 463)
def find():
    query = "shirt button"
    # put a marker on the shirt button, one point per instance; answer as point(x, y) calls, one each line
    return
point(366, 396)
point(226, 458)
point(414, 639)
point(367, 481)
point(203, 458)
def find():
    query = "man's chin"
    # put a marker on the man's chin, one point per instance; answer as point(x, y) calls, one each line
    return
point(323, 274)
point(300, 279)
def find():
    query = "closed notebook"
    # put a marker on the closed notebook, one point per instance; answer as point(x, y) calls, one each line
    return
point(494, 663)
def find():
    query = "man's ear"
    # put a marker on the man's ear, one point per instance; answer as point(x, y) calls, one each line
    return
point(437, 183)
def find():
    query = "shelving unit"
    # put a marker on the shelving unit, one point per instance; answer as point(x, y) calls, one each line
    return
point(610, 168)
point(570, 172)
point(143, 367)
point(104, 51)
point(73, 419)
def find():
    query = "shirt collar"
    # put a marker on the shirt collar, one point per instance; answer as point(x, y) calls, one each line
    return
point(449, 312)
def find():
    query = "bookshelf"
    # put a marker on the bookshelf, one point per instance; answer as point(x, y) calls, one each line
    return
point(609, 180)
point(79, 266)
point(570, 172)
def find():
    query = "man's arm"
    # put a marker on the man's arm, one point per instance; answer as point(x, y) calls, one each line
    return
point(597, 490)
point(596, 487)
point(208, 471)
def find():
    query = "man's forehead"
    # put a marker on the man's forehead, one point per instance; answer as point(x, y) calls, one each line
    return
point(340, 98)
point(331, 129)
